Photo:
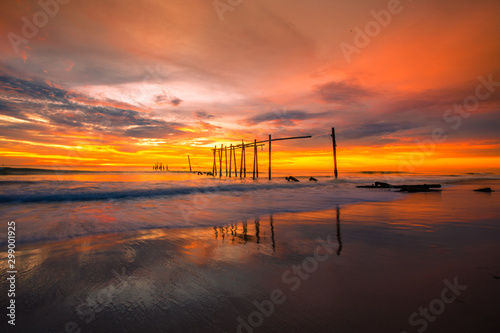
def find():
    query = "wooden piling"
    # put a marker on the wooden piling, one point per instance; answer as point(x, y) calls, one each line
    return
point(214, 167)
point(256, 159)
point(334, 153)
point(244, 159)
point(254, 155)
point(244, 162)
point(241, 159)
point(269, 157)
point(230, 159)
point(220, 161)
point(189, 160)
point(225, 153)
point(235, 164)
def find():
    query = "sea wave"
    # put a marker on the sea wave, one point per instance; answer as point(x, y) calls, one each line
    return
point(85, 194)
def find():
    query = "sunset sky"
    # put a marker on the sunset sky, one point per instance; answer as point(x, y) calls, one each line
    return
point(129, 83)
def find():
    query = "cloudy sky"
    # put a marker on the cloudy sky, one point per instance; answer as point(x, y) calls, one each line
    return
point(407, 85)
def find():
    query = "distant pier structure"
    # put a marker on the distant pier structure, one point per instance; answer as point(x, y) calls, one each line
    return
point(160, 166)
point(220, 155)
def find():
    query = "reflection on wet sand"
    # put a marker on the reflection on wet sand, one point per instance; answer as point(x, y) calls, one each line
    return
point(231, 231)
point(202, 279)
point(339, 238)
point(253, 236)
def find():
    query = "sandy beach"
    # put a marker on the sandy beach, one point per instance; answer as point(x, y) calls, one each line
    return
point(425, 262)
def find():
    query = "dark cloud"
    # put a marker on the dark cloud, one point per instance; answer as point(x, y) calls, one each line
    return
point(203, 115)
point(436, 101)
point(282, 118)
point(176, 101)
point(346, 92)
point(36, 89)
point(23, 98)
point(375, 129)
point(167, 98)
point(4, 106)
point(10, 109)
point(151, 131)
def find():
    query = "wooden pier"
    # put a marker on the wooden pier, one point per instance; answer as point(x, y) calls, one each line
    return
point(220, 158)
point(222, 151)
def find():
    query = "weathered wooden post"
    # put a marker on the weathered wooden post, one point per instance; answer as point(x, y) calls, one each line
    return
point(214, 167)
point(244, 162)
point(220, 160)
point(225, 154)
point(256, 159)
point(334, 153)
point(254, 156)
point(230, 158)
point(269, 157)
point(242, 158)
point(189, 160)
point(235, 164)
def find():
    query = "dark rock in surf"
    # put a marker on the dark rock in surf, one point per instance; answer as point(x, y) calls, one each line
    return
point(486, 189)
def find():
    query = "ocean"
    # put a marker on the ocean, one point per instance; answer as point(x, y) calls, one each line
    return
point(49, 204)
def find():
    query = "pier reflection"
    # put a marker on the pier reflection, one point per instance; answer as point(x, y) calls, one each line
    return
point(339, 237)
point(259, 234)
point(263, 233)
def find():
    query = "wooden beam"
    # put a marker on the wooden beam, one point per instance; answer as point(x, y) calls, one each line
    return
point(189, 160)
point(246, 145)
point(290, 138)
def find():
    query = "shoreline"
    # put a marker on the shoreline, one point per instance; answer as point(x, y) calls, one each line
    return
point(131, 233)
point(48, 170)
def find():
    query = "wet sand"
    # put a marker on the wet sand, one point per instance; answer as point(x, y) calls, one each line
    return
point(376, 268)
